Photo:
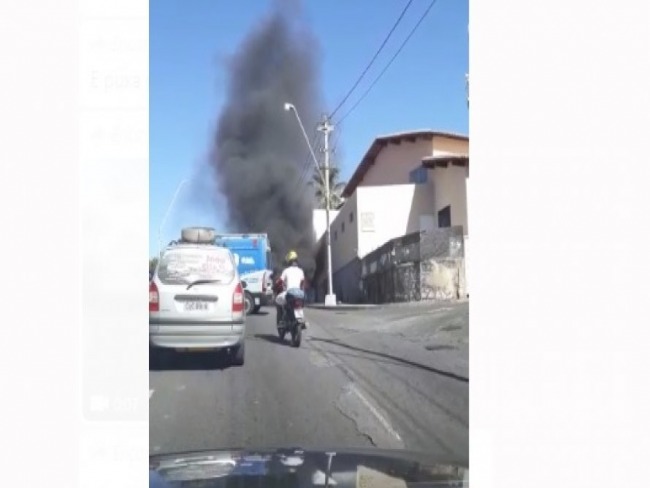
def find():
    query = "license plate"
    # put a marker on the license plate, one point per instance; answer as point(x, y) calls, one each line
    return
point(196, 306)
point(299, 314)
point(257, 301)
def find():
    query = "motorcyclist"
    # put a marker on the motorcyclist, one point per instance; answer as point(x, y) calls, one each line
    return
point(292, 281)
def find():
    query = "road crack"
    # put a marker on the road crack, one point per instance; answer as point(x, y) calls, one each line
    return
point(368, 420)
point(353, 418)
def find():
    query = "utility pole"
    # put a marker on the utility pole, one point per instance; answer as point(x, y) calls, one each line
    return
point(326, 128)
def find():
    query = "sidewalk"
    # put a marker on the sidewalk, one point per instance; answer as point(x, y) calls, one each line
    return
point(391, 305)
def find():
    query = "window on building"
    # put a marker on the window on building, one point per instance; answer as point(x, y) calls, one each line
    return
point(342, 227)
point(444, 217)
point(418, 175)
point(351, 216)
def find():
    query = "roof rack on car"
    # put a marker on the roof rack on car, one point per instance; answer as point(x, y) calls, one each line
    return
point(195, 235)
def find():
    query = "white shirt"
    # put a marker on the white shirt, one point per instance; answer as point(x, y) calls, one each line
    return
point(292, 277)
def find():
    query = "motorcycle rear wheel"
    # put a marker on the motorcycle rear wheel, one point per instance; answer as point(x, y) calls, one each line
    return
point(296, 336)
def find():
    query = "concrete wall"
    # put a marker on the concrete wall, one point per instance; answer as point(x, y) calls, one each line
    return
point(442, 265)
point(442, 279)
point(416, 267)
point(392, 272)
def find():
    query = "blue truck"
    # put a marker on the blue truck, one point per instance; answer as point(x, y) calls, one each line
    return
point(252, 254)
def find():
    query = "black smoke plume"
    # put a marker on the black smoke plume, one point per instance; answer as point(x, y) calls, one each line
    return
point(259, 153)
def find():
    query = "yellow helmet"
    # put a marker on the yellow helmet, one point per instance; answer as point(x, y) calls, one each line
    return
point(291, 256)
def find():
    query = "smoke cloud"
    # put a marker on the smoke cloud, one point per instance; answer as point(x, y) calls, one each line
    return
point(259, 152)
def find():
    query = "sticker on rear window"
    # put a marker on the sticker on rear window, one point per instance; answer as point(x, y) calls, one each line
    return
point(185, 265)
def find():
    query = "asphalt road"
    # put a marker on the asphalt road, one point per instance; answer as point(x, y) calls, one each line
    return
point(388, 378)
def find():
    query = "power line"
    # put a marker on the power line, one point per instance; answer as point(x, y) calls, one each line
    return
point(302, 180)
point(399, 19)
point(337, 139)
point(365, 94)
point(334, 164)
point(308, 175)
point(308, 167)
point(309, 172)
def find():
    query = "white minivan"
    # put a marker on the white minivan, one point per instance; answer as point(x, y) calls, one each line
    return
point(196, 298)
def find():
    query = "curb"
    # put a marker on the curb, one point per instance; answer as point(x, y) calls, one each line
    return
point(335, 308)
point(371, 306)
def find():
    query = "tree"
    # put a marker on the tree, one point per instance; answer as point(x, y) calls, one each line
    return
point(153, 262)
point(336, 189)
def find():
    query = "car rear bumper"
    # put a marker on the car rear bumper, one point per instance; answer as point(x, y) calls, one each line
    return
point(196, 336)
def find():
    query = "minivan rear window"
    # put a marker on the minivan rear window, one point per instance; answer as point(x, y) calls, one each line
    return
point(185, 265)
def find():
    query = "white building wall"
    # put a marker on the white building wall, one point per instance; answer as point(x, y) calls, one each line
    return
point(320, 222)
point(390, 211)
point(344, 234)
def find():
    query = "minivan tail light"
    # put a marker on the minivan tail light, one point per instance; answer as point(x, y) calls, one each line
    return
point(238, 299)
point(154, 298)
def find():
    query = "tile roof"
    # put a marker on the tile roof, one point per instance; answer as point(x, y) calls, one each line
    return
point(380, 142)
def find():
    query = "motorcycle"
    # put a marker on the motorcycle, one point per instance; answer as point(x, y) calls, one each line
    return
point(293, 320)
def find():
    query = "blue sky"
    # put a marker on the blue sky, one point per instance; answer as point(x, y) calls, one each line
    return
point(189, 41)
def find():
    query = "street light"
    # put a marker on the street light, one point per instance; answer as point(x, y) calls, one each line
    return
point(290, 107)
point(171, 204)
point(326, 128)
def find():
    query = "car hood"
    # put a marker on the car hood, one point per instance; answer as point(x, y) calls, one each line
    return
point(297, 467)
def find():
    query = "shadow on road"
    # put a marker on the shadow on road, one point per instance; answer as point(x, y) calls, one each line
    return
point(393, 359)
point(273, 338)
point(196, 361)
point(261, 312)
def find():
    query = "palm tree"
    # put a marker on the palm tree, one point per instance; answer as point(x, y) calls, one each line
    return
point(336, 189)
point(153, 262)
